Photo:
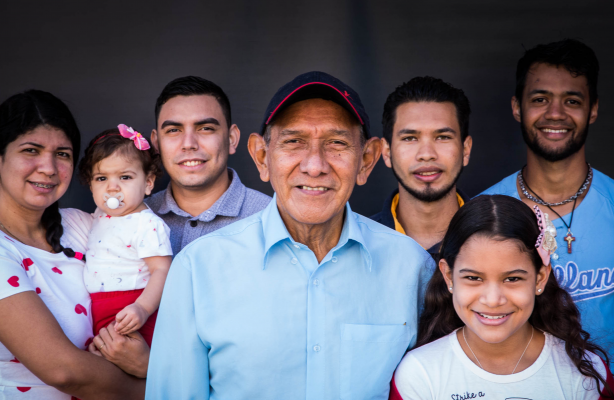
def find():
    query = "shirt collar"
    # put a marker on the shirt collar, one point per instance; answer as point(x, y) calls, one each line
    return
point(394, 204)
point(228, 205)
point(275, 231)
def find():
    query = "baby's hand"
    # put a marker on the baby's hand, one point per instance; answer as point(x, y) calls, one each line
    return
point(130, 319)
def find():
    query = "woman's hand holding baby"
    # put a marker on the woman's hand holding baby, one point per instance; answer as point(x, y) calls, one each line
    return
point(128, 352)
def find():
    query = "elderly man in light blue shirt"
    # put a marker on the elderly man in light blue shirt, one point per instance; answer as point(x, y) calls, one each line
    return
point(306, 299)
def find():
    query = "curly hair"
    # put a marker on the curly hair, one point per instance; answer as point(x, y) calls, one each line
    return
point(505, 218)
point(109, 142)
point(575, 56)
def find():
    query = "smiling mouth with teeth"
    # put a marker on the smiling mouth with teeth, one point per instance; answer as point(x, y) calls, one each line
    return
point(191, 163)
point(40, 185)
point(492, 316)
point(321, 189)
point(428, 173)
point(555, 130)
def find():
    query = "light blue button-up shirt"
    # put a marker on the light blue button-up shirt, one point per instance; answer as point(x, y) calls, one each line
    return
point(249, 313)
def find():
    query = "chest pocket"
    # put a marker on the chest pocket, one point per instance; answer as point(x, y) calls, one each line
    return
point(369, 355)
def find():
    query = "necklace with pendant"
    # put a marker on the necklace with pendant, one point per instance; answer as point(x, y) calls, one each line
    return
point(541, 202)
point(569, 238)
point(480, 364)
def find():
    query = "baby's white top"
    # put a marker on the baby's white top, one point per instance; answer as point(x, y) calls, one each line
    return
point(442, 370)
point(116, 247)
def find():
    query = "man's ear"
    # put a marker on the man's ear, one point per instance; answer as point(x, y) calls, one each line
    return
point(594, 109)
point(516, 111)
point(467, 145)
point(234, 135)
point(386, 152)
point(371, 152)
point(154, 140)
point(258, 150)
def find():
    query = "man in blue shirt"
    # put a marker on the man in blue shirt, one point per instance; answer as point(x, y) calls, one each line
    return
point(306, 299)
point(555, 102)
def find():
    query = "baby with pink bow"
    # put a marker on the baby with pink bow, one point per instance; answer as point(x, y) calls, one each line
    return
point(129, 251)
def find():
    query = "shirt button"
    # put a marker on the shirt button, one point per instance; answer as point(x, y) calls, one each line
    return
point(334, 259)
point(294, 261)
point(297, 246)
point(316, 282)
point(193, 223)
point(316, 348)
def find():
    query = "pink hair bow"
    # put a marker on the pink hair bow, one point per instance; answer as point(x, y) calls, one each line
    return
point(139, 141)
point(546, 242)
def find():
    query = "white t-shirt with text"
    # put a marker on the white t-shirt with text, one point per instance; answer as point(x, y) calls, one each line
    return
point(441, 370)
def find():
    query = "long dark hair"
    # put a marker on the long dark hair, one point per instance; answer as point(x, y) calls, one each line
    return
point(505, 218)
point(24, 112)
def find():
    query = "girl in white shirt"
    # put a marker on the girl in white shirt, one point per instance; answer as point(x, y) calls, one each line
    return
point(128, 249)
point(496, 324)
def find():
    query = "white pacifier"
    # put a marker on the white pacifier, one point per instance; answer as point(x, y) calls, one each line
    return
point(115, 201)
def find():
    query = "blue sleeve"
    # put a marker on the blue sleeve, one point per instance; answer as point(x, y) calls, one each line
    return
point(426, 273)
point(179, 363)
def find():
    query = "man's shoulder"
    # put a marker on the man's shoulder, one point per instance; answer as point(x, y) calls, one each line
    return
point(376, 234)
point(370, 224)
point(385, 217)
point(507, 186)
point(254, 201)
point(247, 230)
point(604, 185)
point(156, 200)
point(377, 217)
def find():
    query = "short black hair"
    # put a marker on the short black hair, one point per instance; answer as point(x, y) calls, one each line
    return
point(575, 56)
point(193, 86)
point(426, 89)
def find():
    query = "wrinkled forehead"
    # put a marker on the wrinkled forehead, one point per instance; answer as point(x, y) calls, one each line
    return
point(317, 117)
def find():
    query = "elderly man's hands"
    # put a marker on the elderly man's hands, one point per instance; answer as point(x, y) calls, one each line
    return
point(128, 352)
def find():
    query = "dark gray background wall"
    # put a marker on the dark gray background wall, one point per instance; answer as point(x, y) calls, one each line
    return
point(109, 61)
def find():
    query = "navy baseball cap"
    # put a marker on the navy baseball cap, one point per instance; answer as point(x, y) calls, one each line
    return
point(316, 85)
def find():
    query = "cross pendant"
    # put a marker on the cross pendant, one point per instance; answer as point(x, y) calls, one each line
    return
point(569, 238)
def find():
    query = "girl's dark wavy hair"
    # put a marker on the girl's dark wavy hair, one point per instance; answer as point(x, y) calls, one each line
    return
point(110, 141)
point(505, 218)
point(24, 112)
